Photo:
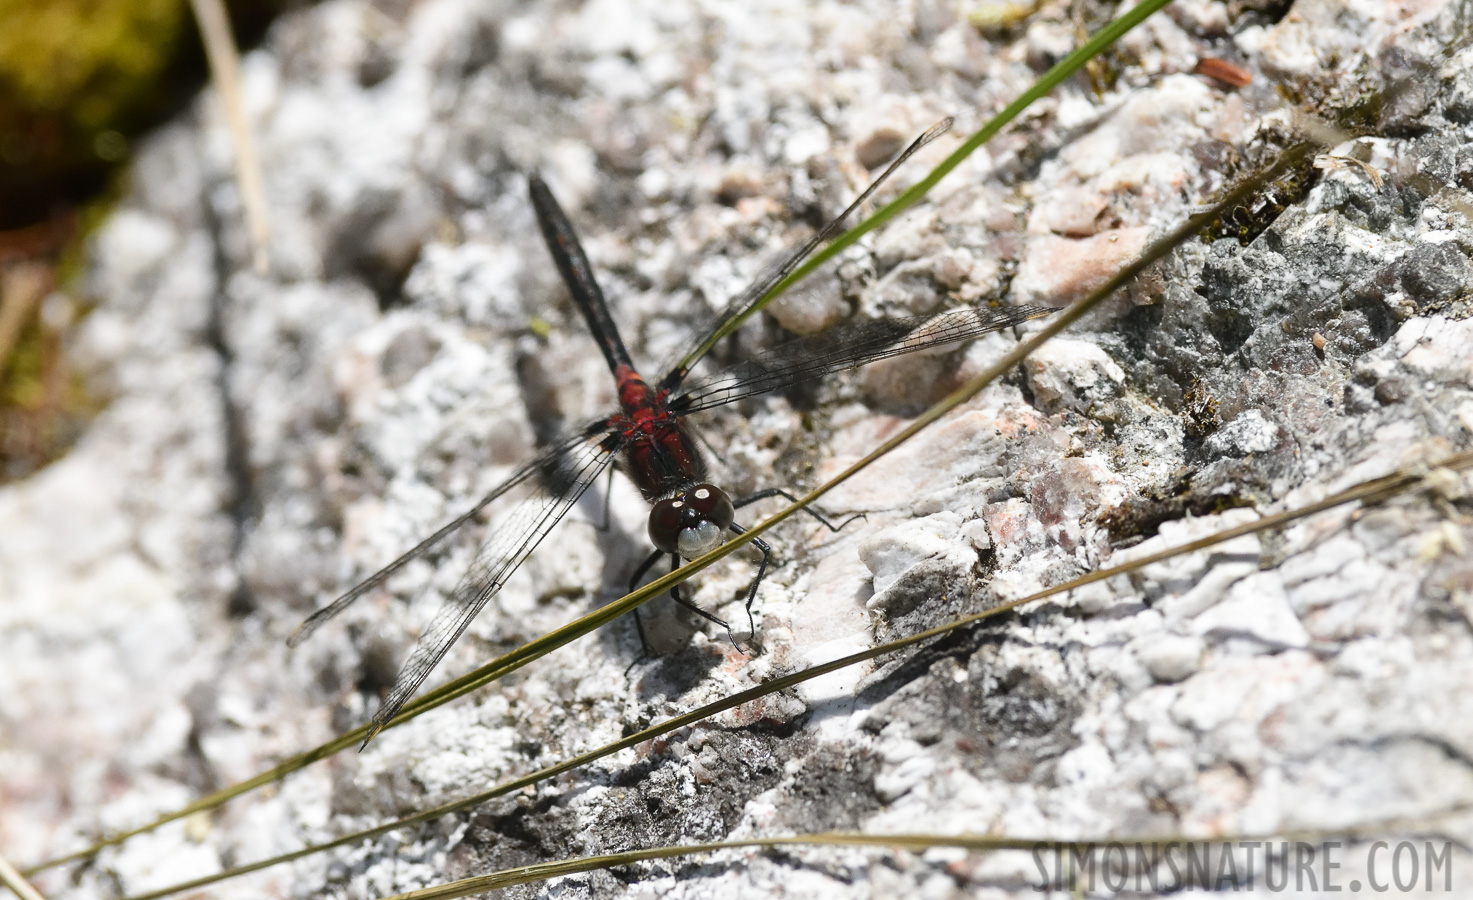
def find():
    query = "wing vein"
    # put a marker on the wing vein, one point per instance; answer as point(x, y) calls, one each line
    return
point(561, 480)
point(848, 346)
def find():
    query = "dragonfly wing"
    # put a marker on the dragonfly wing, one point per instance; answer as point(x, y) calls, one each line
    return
point(750, 299)
point(847, 346)
point(530, 472)
point(557, 479)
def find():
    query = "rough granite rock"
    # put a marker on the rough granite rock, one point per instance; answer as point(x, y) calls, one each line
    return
point(268, 441)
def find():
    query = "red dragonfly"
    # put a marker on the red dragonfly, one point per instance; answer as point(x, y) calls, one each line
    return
point(690, 516)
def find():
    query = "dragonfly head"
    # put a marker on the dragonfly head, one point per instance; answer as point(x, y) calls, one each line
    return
point(692, 522)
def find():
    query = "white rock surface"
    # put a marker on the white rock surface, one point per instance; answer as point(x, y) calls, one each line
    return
point(1072, 374)
point(267, 442)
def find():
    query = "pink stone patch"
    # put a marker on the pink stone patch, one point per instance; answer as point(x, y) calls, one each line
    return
point(1058, 270)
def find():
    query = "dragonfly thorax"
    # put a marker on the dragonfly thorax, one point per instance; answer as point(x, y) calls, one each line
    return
point(658, 452)
point(692, 522)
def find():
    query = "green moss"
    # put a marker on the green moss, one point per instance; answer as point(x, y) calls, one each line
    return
point(92, 62)
point(76, 78)
point(80, 78)
point(1246, 222)
point(43, 403)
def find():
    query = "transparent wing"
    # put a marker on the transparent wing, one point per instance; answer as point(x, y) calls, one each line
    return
point(550, 459)
point(847, 346)
point(744, 303)
point(556, 480)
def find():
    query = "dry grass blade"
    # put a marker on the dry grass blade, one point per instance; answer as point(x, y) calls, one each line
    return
point(1378, 488)
point(497, 668)
point(13, 880)
point(544, 871)
point(214, 26)
point(915, 843)
point(21, 290)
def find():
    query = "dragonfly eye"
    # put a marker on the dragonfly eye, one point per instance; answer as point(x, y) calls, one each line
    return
point(712, 504)
point(692, 523)
point(665, 523)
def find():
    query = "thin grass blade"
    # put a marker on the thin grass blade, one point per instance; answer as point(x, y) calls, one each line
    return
point(916, 843)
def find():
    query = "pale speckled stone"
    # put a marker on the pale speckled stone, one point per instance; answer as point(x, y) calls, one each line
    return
point(1072, 374)
point(890, 552)
point(1257, 607)
point(1171, 658)
point(1247, 434)
point(1059, 270)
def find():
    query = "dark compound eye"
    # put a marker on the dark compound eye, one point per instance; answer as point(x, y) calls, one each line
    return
point(712, 504)
point(693, 523)
point(666, 518)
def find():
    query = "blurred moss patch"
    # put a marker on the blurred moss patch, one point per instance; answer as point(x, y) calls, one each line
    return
point(77, 77)
point(43, 407)
point(80, 80)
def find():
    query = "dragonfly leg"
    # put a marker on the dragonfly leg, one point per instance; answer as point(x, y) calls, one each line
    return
point(654, 557)
point(675, 595)
point(639, 573)
point(779, 492)
point(766, 552)
point(644, 645)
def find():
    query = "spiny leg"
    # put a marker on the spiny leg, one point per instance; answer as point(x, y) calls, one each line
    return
point(639, 573)
point(779, 492)
point(675, 595)
point(762, 547)
point(766, 552)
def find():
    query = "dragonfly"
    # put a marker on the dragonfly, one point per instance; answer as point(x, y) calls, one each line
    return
point(651, 437)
